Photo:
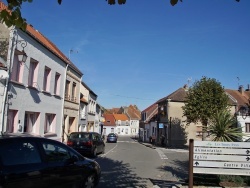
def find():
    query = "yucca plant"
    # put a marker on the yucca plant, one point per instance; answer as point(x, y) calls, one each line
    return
point(223, 128)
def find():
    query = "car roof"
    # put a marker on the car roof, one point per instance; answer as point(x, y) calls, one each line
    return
point(84, 133)
point(13, 135)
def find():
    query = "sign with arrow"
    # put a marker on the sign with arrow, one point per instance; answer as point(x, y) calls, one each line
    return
point(230, 158)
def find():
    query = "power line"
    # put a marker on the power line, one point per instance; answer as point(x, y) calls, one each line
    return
point(129, 97)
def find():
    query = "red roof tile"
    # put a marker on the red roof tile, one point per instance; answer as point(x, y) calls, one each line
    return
point(121, 117)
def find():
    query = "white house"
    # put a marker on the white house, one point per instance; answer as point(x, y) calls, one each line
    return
point(34, 102)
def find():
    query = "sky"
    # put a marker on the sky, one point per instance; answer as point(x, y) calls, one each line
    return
point(142, 51)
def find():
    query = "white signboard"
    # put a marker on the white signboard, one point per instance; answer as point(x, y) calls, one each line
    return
point(230, 158)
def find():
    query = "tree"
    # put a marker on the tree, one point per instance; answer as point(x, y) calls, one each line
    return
point(223, 128)
point(12, 15)
point(204, 99)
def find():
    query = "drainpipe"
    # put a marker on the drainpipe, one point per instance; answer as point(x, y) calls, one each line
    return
point(79, 103)
point(63, 102)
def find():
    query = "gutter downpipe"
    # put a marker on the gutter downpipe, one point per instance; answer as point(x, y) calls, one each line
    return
point(63, 102)
point(80, 84)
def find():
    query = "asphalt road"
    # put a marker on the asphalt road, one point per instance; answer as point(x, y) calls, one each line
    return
point(128, 163)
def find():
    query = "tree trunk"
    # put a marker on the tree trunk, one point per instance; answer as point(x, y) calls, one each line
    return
point(204, 132)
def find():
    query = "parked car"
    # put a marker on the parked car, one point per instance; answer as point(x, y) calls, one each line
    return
point(112, 137)
point(28, 161)
point(86, 143)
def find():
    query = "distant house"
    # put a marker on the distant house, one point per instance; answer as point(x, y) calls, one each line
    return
point(71, 99)
point(83, 112)
point(134, 115)
point(122, 124)
point(109, 125)
point(92, 125)
point(242, 99)
point(171, 122)
point(148, 123)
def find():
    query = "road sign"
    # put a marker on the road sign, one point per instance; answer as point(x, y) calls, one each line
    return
point(210, 157)
point(216, 164)
point(241, 172)
point(222, 150)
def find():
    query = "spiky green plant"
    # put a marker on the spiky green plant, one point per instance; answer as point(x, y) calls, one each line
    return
point(223, 128)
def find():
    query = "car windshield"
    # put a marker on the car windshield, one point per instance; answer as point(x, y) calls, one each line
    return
point(80, 136)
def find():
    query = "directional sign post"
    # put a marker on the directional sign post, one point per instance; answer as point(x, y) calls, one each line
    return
point(229, 158)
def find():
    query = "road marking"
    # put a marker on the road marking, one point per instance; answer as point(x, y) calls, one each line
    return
point(106, 153)
point(161, 154)
point(128, 141)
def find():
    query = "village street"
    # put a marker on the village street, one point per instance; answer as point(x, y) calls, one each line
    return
point(128, 163)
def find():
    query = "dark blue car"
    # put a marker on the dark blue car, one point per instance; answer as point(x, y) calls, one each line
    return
point(27, 161)
point(112, 137)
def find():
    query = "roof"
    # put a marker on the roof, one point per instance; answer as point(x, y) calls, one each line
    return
point(177, 96)
point(121, 117)
point(46, 43)
point(112, 111)
point(180, 96)
point(109, 120)
point(151, 112)
point(133, 112)
point(242, 98)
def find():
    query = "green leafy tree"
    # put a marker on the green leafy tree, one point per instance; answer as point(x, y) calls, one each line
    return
point(204, 99)
point(223, 127)
point(13, 16)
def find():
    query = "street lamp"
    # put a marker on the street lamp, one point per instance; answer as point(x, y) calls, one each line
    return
point(22, 56)
point(244, 112)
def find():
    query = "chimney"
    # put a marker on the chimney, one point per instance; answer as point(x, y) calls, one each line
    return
point(241, 89)
point(185, 87)
point(248, 87)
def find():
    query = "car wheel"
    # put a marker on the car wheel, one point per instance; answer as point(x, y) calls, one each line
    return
point(89, 181)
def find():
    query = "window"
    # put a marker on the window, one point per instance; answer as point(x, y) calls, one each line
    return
point(73, 92)
point(33, 72)
point(67, 87)
point(46, 79)
point(104, 131)
point(247, 127)
point(29, 122)
point(17, 70)
point(11, 121)
point(57, 84)
point(55, 152)
point(112, 130)
point(49, 122)
point(119, 122)
point(108, 121)
point(18, 153)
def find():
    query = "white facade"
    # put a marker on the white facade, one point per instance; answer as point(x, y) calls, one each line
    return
point(244, 123)
point(109, 129)
point(83, 108)
point(35, 97)
point(134, 127)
